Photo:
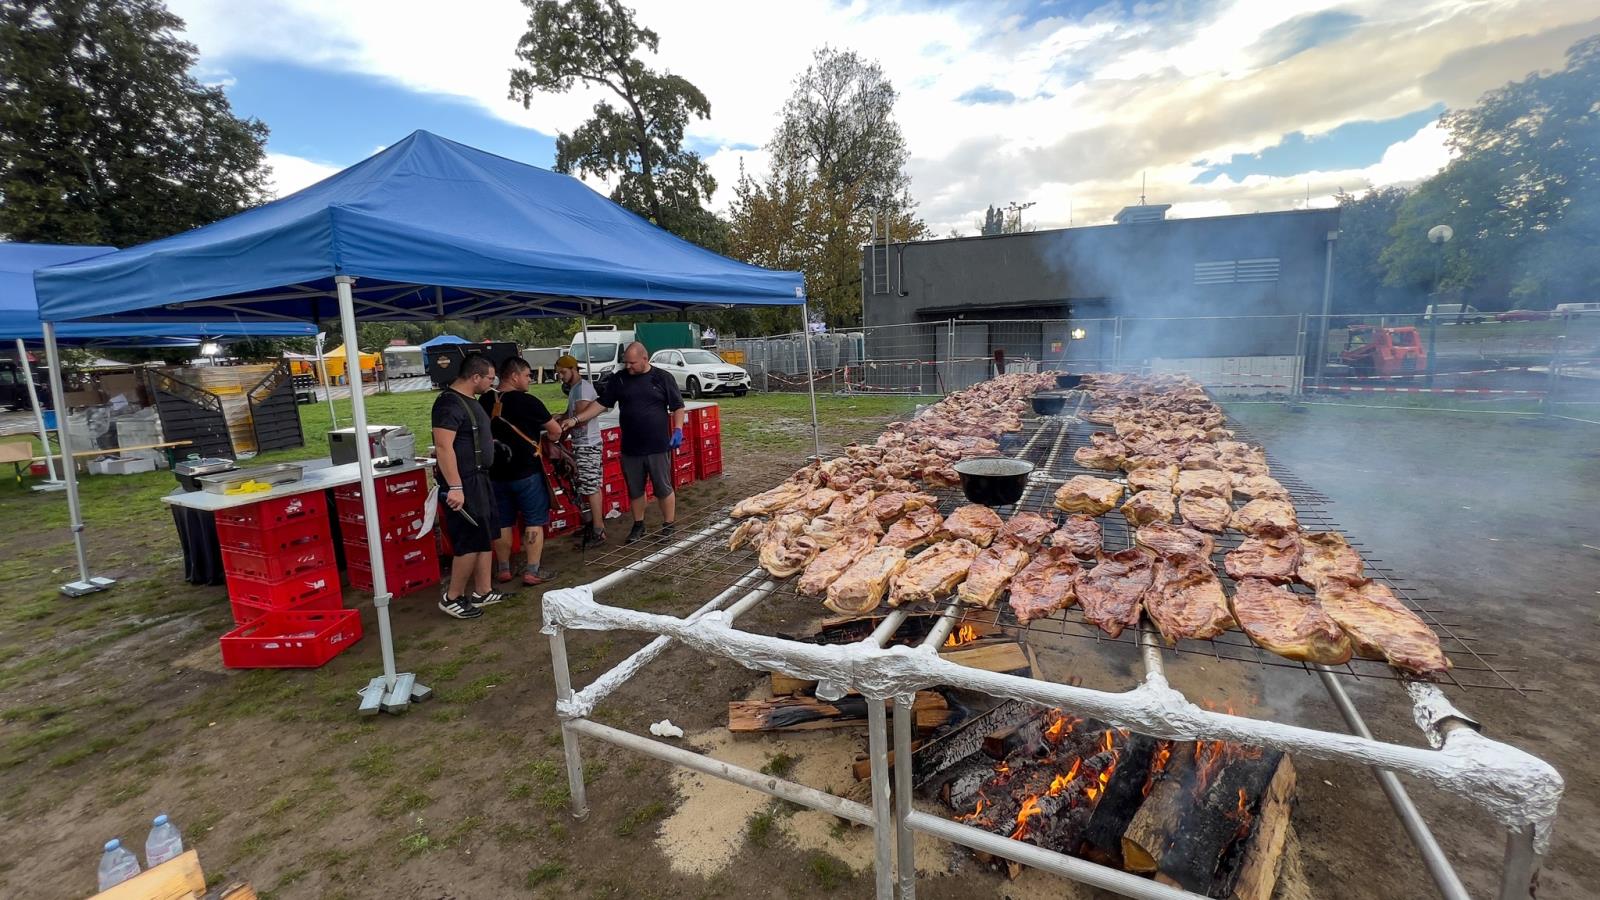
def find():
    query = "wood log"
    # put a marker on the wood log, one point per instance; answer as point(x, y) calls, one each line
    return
point(1102, 837)
point(1147, 834)
point(1002, 742)
point(990, 656)
point(1257, 875)
point(960, 743)
point(862, 768)
point(1211, 838)
point(801, 713)
point(785, 685)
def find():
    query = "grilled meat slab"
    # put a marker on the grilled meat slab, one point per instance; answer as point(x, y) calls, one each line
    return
point(785, 549)
point(1259, 487)
point(1088, 494)
point(1153, 478)
point(1273, 559)
point(1080, 535)
point(1149, 506)
point(771, 502)
point(888, 507)
point(1107, 456)
point(828, 528)
point(1205, 483)
point(1294, 626)
point(747, 533)
point(1026, 530)
point(1112, 591)
point(1165, 539)
point(815, 502)
point(1382, 627)
point(1044, 585)
point(1260, 518)
point(861, 587)
point(1205, 513)
point(991, 572)
point(914, 529)
point(1326, 554)
point(934, 573)
point(978, 524)
point(1185, 600)
point(828, 565)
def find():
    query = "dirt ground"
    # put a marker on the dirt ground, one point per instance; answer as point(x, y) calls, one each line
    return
point(114, 707)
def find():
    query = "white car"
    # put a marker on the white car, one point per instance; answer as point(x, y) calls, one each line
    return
point(701, 372)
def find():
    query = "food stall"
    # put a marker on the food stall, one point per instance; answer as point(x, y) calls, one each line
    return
point(426, 229)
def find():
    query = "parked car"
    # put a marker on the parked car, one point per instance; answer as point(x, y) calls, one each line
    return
point(700, 372)
point(14, 390)
point(1452, 312)
point(1577, 310)
point(1522, 315)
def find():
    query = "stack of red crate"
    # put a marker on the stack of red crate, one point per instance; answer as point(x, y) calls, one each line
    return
point(282, 572)
point(565, 517)
point(613, 487)
point(707, 423)
point(683, 468)
point(410, 563)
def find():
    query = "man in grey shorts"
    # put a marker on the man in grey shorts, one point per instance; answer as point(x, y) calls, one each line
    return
point(586, 454)
point(651, 417)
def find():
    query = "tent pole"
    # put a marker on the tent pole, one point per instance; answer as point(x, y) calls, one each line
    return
point(583, 329)
point(811, 377)
point(38, 411)
point(327, 389)
point(390, 691)
point(85, 584)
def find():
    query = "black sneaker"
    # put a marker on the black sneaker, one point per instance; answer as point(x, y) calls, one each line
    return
point(459, 608)
point(488, 599)
point(635, 533)
point(668, 529)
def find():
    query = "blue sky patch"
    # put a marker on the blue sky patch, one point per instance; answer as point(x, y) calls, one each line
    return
point(1353, 145)
point(1302, 33)
point(987, 94)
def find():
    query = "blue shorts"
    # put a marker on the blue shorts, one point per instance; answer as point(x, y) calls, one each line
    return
point(528, 496)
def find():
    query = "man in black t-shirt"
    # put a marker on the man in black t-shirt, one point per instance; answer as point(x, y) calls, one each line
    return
point(651, 420)
point(463, 443)
point(520, 420)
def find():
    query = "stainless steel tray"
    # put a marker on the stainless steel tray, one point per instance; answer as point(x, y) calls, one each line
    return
point(282, 473)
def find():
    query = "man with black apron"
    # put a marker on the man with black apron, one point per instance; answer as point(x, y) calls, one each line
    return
point(463, 443)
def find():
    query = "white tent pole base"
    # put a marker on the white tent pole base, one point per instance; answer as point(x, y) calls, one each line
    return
point(85, 583)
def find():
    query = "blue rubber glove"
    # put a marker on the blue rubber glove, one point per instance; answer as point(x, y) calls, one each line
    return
point(677, 438)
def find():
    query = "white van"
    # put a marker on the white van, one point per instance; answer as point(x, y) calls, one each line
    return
point(1576, 310)
point(1450, 312)
point(599, 350)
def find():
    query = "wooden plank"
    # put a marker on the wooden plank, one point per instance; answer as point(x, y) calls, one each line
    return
point(804, 713)
point(239, 890)
point(1258, 872)
point(862, 768)
point(1000, 656)
point(783, 685)
point(175, 879)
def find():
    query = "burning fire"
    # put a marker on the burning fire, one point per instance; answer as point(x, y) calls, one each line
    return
point(966, 634)
point(1241, 814)
point(1158, 766)
point(1210, 756)
point(1093, 782)
point(1030, 809)
point(1060, 726)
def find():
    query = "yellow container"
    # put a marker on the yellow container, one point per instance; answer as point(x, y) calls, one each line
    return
point(733, 357)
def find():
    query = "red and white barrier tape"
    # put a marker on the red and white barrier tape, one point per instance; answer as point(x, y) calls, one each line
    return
point(1363, 389)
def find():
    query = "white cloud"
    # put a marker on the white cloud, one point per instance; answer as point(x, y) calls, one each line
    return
point(291, 173)
point(1102, 99)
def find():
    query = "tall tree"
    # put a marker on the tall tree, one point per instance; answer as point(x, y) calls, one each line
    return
point(105, 137)
point(638, 144)
point(1365, 223)
point(1522, 194)
point(838, 169)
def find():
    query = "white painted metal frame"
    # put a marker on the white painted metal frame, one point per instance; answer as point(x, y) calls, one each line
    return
point(1518, 789)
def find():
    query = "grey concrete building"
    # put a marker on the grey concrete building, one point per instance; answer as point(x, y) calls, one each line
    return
point(1058, 293)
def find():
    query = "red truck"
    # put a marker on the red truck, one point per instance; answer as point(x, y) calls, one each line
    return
point(1382, 350)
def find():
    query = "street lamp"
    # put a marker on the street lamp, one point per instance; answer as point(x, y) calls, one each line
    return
point(1079, 334)
point(1438, 235)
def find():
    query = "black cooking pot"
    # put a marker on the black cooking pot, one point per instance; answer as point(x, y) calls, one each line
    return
point(993, 480)
point(1049, 404)
point(1068, 382)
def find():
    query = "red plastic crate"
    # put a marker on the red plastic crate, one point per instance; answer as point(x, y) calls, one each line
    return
point(565, 518)
point(708, 420)
point(707, 466)
point(394, 511)
point(398, 554)
point(291, 639)
point(248, 611)
point(611, 471)
point(401, 579)
point(276, 512)
point(274, 539)
point(275, 566)
point(293, 591)
point(682, 473)
point(614, 493)
point(354, 534)
point(410, 484)
point(611, 436)
point(685, 450)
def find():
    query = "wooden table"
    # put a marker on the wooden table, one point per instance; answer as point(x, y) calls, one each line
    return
point(17, 453)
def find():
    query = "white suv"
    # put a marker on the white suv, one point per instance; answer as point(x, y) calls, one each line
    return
point(701, 372)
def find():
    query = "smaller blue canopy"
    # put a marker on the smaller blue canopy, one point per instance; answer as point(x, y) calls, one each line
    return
point(443, 339)
point(430, 229)
point(19, 309)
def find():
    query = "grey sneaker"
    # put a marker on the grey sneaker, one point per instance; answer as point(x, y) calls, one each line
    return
point(459, 608)
point(488, 599)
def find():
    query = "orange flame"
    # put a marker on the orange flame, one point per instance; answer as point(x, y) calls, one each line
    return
point(1060, 782)
point(1158, 766)
point(976, 811)
point(966, 634)
point(1241, 813)
point(1030, 809)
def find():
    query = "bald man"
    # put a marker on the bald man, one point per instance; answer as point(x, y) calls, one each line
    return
point(651, 419)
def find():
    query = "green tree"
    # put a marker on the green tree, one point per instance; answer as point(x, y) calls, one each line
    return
point(1522, 194)
point(1365, 223)
point(105, 137)
point(838, 164)
point(637, 145)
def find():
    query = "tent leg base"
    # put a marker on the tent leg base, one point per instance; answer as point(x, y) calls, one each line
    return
point(92, 586)
point(378, 697)
point(51, 486)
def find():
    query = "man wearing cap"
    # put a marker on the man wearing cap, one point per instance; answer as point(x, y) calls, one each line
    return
point(651, 419)
point(586, 455)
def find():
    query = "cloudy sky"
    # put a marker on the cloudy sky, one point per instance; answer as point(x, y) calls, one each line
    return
point(1224, 106)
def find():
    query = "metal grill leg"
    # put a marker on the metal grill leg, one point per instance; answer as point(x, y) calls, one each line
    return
point(569, 738)
point(1520, 880)
point(883, 825)
point(904, 839)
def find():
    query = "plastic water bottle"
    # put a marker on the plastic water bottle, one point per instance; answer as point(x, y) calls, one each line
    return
point(117, 864)
point(164, 842)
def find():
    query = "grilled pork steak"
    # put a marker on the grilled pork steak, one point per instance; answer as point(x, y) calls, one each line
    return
point(1044, 585)
point(785, 549)
point(978, 524)
point(747, 534)
point(1272, 558)
point(1382, 627)
point(1149, 506)
point(991, 571)
point(1205, 483)
point(1088, 494)
point(914, 529)
point(1205, 513)
point(1165, 539)
point(1185, 600)
point(1026, 530)
point(1326, 554)
point(1294, 626)
point(861, 587)
point(1079, 534)
point(1153, 478)
point(934, 573)
point(1260, 518)
point(1111, 592)
point(828, 565)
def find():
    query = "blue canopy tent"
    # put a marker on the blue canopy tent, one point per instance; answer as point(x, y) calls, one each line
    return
point(426, 229)
point(19, 320)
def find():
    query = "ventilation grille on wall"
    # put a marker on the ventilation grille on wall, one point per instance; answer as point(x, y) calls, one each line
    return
point(1237, 271)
